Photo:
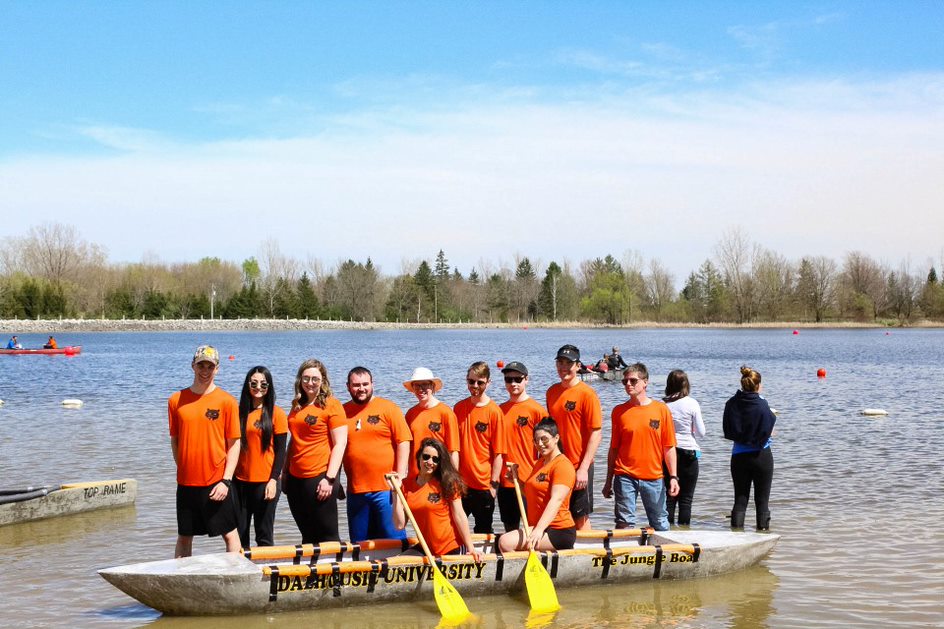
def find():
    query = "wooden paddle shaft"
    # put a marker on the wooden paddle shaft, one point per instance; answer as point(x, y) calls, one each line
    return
point(524, 514)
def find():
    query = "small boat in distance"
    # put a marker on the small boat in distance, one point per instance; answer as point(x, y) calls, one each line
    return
point(340, 574)
point(37, 503)
point(69, 350)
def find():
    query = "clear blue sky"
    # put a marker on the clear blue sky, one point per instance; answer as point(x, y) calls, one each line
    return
point(487, 129)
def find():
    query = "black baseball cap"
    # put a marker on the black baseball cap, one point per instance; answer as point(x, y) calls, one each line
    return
point(570, 352)
point(515, 366)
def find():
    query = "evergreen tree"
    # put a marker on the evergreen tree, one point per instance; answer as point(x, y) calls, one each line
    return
point(308, 306)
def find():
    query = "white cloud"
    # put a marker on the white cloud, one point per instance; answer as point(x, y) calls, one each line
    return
point(805, 168)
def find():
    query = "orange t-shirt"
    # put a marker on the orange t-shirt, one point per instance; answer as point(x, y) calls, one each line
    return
point(438, 422)
point(255, 466)
point(519, 422)
point(311, 427)
point(481, 439)
point(433, 514)
point(373, 432)
point(640, 436)
point(202, 424)
point(537, 491)
point(577, 413)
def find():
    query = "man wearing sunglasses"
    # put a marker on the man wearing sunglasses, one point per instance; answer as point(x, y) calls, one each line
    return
point(204, 437)
point(643, 438)
point(575, 407)
point(378, 443)
point(520, 414)
point(482, 443)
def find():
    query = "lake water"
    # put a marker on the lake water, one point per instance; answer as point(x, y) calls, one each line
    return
point(859, 501)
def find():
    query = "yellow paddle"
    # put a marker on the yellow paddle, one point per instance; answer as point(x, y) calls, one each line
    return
point(448, 599)
point(538, 582)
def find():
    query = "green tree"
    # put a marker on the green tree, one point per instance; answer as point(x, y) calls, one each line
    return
point(308, 306)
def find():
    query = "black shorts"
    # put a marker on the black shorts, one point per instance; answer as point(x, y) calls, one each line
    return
point(198, 515)
point(581, 500)
point(562, 539)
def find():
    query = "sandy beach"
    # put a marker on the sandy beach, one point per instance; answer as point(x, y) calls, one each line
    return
point(55, 326)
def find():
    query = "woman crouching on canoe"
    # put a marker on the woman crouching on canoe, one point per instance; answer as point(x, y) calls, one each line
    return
point(434, 496)
point(263, 432)
point(546, 493)
point(318, 426)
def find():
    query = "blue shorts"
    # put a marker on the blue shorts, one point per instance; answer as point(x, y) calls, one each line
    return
point(370, 516)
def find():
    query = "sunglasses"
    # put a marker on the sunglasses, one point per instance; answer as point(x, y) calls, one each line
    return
point(514, 379)
point(477, 383)
point(311, 379)
point(430, 457)
point(262, 386)
point(631, 381)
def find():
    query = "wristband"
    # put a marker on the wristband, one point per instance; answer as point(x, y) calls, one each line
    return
point(331, 479)
point(673, 478)
point(227, 481)
point(495, 484)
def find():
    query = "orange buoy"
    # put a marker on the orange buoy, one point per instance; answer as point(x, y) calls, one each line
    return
point(796, 331)
point(820, 373)
point(231, 357)
point(500, 364)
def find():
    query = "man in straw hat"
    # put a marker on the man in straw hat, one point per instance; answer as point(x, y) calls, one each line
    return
point(430, 417)
point(204, 437)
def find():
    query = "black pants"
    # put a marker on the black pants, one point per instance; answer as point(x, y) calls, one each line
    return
point(755, 468)
point(317, 520)
point(480, 504)
point(255, 509)
point(508, 508)
point(686, 466)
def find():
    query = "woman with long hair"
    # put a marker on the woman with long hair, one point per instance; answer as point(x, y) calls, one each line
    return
point(434, 496)
point(263, 430)
point(749, 423)
point(546, 495)
point(318, 426)
point(686, 415)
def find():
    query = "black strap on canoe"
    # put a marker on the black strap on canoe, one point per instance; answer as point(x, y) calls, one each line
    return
point(247, 553)
point(550, 557)
point(657, 571)
point(315, 555)
point(697, 553)
point(340, 555)
point(372, 577)
point(404, 544)
point(336, 578)
point(606, 540)
point(439, 564)
point(553, 564)
point(355, 552)
point(499, 567)
point(299, 551)
point(607, 560)
point(644, 537)
point(273, 583)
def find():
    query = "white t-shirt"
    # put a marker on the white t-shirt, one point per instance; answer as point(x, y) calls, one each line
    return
point(686, 415)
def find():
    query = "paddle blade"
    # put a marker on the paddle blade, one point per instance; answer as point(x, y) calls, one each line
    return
point(541, 591)
point(448, 599)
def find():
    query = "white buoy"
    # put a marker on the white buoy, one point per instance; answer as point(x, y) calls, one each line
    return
point(874, 411)
point(72, 403)
point(1, 402)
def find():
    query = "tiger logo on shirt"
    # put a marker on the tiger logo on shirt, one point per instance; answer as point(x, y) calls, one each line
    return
point(654, 424)
point(542, 477)
point(257, 424)
point(311, 420)
point(434, 498)
point(570, 405)
point(373, 420)
point(435, 426)
point(213, 414)
point(522, 421)
point(481, 426)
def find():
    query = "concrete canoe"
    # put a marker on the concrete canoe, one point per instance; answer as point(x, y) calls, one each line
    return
point(50, 502)
point(265, 580)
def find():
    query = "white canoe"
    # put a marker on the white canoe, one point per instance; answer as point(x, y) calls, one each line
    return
point(264, 580)
point(36, 503)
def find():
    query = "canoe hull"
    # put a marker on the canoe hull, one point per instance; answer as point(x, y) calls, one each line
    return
point(69, 499)
point(222, 584)
point(70, 350)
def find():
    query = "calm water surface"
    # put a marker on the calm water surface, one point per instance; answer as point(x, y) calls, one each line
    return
point(859, 501)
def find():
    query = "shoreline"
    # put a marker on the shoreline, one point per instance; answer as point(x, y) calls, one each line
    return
point(54, 326)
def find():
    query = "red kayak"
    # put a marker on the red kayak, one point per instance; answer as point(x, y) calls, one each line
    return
point(70, 350)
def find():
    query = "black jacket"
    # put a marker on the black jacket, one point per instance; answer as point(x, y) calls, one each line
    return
point(748, 419)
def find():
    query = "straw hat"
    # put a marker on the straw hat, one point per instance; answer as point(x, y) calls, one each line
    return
point(423, 374)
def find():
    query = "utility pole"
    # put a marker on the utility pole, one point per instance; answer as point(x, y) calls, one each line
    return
point(212, 298)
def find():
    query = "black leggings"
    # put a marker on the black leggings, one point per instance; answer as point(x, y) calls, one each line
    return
point(687, 469)
point(756, 468)
point(255, 508)
point(317, 520)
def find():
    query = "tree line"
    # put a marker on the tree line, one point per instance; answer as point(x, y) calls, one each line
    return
point(53, 272)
